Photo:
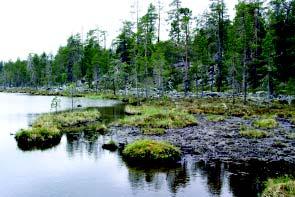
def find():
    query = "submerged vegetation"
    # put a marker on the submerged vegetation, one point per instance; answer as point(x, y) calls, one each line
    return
point(145, 151)
point(280, 187)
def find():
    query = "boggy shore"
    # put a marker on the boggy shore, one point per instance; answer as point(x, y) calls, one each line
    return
point(220, 140)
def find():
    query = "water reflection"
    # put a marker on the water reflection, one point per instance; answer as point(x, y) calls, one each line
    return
point(242, 180)
point(246, 179)
point(213, 172)
point(176, 177)
point(84, 142)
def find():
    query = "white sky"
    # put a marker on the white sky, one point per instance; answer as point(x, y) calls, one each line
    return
point(34, 26)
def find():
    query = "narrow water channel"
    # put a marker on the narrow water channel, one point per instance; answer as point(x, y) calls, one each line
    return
point(78, 166)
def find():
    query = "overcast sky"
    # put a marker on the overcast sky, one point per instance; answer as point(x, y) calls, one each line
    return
point(34, 26)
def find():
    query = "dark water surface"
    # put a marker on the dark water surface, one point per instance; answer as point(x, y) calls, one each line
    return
point(78, 166)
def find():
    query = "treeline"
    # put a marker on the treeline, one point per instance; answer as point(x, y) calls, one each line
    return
point(254, 51)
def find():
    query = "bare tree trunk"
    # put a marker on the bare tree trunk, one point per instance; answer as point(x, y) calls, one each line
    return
point(220, 47)
point(159, 19)
point(145, 65)
point(186, 81)
point(245, 77)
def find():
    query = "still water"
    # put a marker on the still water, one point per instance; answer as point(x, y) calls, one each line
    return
point(78, 166)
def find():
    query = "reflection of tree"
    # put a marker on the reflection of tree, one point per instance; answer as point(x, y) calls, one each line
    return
point(111, 113)
point(247, 179)
point(83, 142)
point(213, 173)
point(175, 177)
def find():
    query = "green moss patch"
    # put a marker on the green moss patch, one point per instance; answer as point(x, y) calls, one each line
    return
point(38, 138)
point(67, 119)
point(253, 133)
point(266, 123)
point(153, 120)
point(215, 118)
point(284, 186)
point(47, 129)
point(150, 151)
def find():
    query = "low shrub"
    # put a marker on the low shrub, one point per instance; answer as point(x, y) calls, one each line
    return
point(150, 151)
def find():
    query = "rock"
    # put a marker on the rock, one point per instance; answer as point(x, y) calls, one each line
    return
point(111, 146)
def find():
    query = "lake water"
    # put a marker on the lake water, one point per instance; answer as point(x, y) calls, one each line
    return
point(78, 166)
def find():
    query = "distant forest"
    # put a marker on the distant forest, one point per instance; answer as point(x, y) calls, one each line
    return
point(255, 51)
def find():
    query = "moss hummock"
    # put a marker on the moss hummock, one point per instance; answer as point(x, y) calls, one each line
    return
point(47, 129)
point(266, 123)
point(150, 151)
point(279, 187)
point(38, 138)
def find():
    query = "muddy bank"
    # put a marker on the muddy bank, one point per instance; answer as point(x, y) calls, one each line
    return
point(221, 141)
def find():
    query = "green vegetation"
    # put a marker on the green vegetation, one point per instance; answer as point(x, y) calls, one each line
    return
point(67, 119)
point(154, 119)
point(142, 151)
point(38, 137)
point(265, 123)
point(48, 128)
point(291, 136)
point(252, 133)
point(131, 110)
point(279, 187)
point(215, 118)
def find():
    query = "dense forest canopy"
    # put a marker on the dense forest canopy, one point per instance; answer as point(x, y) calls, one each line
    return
point(252, 52)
